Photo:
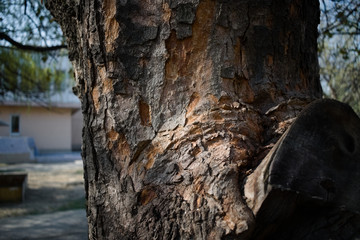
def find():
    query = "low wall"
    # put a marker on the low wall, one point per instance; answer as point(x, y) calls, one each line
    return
point(17, 149)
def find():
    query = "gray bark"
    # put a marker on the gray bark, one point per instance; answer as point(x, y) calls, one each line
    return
point(182, 99)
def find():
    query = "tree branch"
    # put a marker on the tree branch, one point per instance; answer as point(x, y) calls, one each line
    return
point(4, 36)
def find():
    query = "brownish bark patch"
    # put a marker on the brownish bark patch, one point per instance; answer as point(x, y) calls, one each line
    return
point(187, 57)
point(147, 195)
point(107, 82)
point(112, 135)
point(123, 149)
point(151, 154)
point(167, 12)
point(95, 96)
point(194, 100)
point(240, 87)
point(111, 26)
point(145, 114)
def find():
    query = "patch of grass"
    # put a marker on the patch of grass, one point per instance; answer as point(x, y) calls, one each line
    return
point(81, 172)
point(74, 204)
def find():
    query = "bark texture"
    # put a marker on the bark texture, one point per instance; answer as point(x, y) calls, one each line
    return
point(181, 100)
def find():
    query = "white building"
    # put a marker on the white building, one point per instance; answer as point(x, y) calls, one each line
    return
point(53, 127)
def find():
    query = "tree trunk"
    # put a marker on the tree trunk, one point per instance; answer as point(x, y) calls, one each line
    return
point(182, 99)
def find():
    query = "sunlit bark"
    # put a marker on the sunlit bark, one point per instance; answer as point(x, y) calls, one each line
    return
point(181, 101)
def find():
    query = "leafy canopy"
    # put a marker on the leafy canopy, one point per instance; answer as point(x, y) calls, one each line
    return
point(30, 46)
point(339, 50)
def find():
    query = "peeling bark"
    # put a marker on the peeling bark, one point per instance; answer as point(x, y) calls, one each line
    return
point(182, 100)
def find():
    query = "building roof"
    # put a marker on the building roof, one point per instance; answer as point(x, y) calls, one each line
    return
point(72, 105)
point(64, 99)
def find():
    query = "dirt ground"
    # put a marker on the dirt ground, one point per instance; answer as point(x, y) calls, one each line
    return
point(51, 187)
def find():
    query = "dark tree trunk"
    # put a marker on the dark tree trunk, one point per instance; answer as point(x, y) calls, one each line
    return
point(182, 99)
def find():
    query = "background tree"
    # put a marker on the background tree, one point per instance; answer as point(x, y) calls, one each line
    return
point(339, 48)
point(29, 51)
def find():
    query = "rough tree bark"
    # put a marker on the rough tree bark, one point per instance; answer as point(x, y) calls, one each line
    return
point(182, 99)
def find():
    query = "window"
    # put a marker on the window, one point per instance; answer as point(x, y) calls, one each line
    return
point(15, 125)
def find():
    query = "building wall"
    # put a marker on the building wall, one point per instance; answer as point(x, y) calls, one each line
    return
point(51, 129)
point(76, 130)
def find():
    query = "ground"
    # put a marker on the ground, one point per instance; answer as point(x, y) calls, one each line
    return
point(51, 187)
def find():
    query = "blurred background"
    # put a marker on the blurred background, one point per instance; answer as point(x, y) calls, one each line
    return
point(339, 50)
point(42, 193)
